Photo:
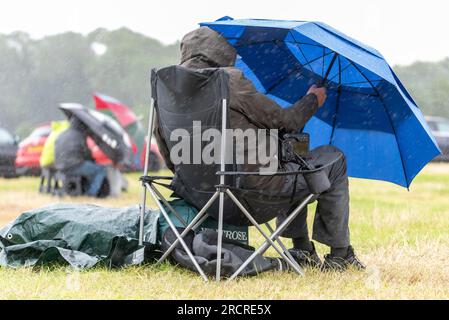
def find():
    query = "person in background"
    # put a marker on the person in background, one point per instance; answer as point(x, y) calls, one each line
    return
point(73, 157)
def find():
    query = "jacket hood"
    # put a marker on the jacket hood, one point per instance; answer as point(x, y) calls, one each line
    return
point(208, 46)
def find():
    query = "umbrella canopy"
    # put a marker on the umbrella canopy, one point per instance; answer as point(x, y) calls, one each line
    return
point(110, 137)
point(368, 114)
point(127, 119)
point(124, 115)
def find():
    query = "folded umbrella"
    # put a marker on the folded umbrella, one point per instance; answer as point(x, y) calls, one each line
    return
point(110, 137)
point(368, 113)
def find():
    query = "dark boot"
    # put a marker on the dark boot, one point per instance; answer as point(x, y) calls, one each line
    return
point(334, 263)
point(306, 258)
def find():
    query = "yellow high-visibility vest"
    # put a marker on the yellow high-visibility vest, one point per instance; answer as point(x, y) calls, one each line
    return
point(47, 158)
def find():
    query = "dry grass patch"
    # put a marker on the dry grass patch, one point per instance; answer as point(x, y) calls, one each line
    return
point(402, 236)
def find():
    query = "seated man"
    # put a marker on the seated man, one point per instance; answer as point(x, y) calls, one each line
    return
point(249, 109)
point(73, 157)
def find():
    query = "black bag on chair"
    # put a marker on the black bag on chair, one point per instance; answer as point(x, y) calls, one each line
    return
point(204, 247)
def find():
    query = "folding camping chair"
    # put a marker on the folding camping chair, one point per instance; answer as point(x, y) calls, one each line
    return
point(179, 97)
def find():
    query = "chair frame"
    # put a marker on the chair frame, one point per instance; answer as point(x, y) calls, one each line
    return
point(47, 179)
point(272, 240)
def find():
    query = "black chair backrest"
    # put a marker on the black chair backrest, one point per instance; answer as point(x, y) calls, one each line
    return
point(183, 97)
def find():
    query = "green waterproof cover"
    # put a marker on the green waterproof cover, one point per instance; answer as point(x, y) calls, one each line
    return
point(80, 236)
point(84, 236)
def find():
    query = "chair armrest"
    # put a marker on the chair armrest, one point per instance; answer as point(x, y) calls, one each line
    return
point(285, 173)
point(261, 174)
point(146, 179)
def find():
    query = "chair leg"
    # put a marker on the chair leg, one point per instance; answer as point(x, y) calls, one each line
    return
point(145, 170)
point(281, 244)
point(178, 236)
point(221, 189)
point(42, 182)
point(199, 218)
point(220, 236)
point(59, 185)
point(50, 181)
point(142, 215)
point(281, 251)
point(169, 206)
point(273, 236)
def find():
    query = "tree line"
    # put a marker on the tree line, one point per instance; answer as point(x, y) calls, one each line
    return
point(37, 75)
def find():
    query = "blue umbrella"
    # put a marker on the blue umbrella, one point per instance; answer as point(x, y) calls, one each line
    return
point(369, 114)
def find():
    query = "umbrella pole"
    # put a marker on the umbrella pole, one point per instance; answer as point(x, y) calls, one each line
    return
point(145, 171)
point(334, 58)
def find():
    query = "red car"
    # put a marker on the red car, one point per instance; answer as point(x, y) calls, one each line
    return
point(30, 150)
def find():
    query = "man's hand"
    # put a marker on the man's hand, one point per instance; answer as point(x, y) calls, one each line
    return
point(320, 93)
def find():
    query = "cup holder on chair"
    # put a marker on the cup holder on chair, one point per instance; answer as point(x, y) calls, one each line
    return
point(317, 181)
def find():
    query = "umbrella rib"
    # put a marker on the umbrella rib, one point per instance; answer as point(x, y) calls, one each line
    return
point(329, 69)
point(337, 108)
point(330, 79)
point(305, 58)
point(318, 58)
point(344, 89)
point(300, 49)
point(308, 44)
point(346, 84)
point(293, 70)
point(322, 68)
point(250, 43)
point(298, 43)
point(389, 118)
point(359, 82)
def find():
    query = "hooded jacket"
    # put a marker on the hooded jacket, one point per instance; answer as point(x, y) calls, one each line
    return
point(249, 109)
point(71, 148)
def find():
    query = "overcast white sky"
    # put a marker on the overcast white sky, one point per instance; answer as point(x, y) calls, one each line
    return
point(403, 30)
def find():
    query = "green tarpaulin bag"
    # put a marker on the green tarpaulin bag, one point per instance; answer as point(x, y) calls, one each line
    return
point(85, 236)
point(81, 236)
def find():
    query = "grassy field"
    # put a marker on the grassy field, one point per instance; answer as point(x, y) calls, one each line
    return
point(403, 237)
